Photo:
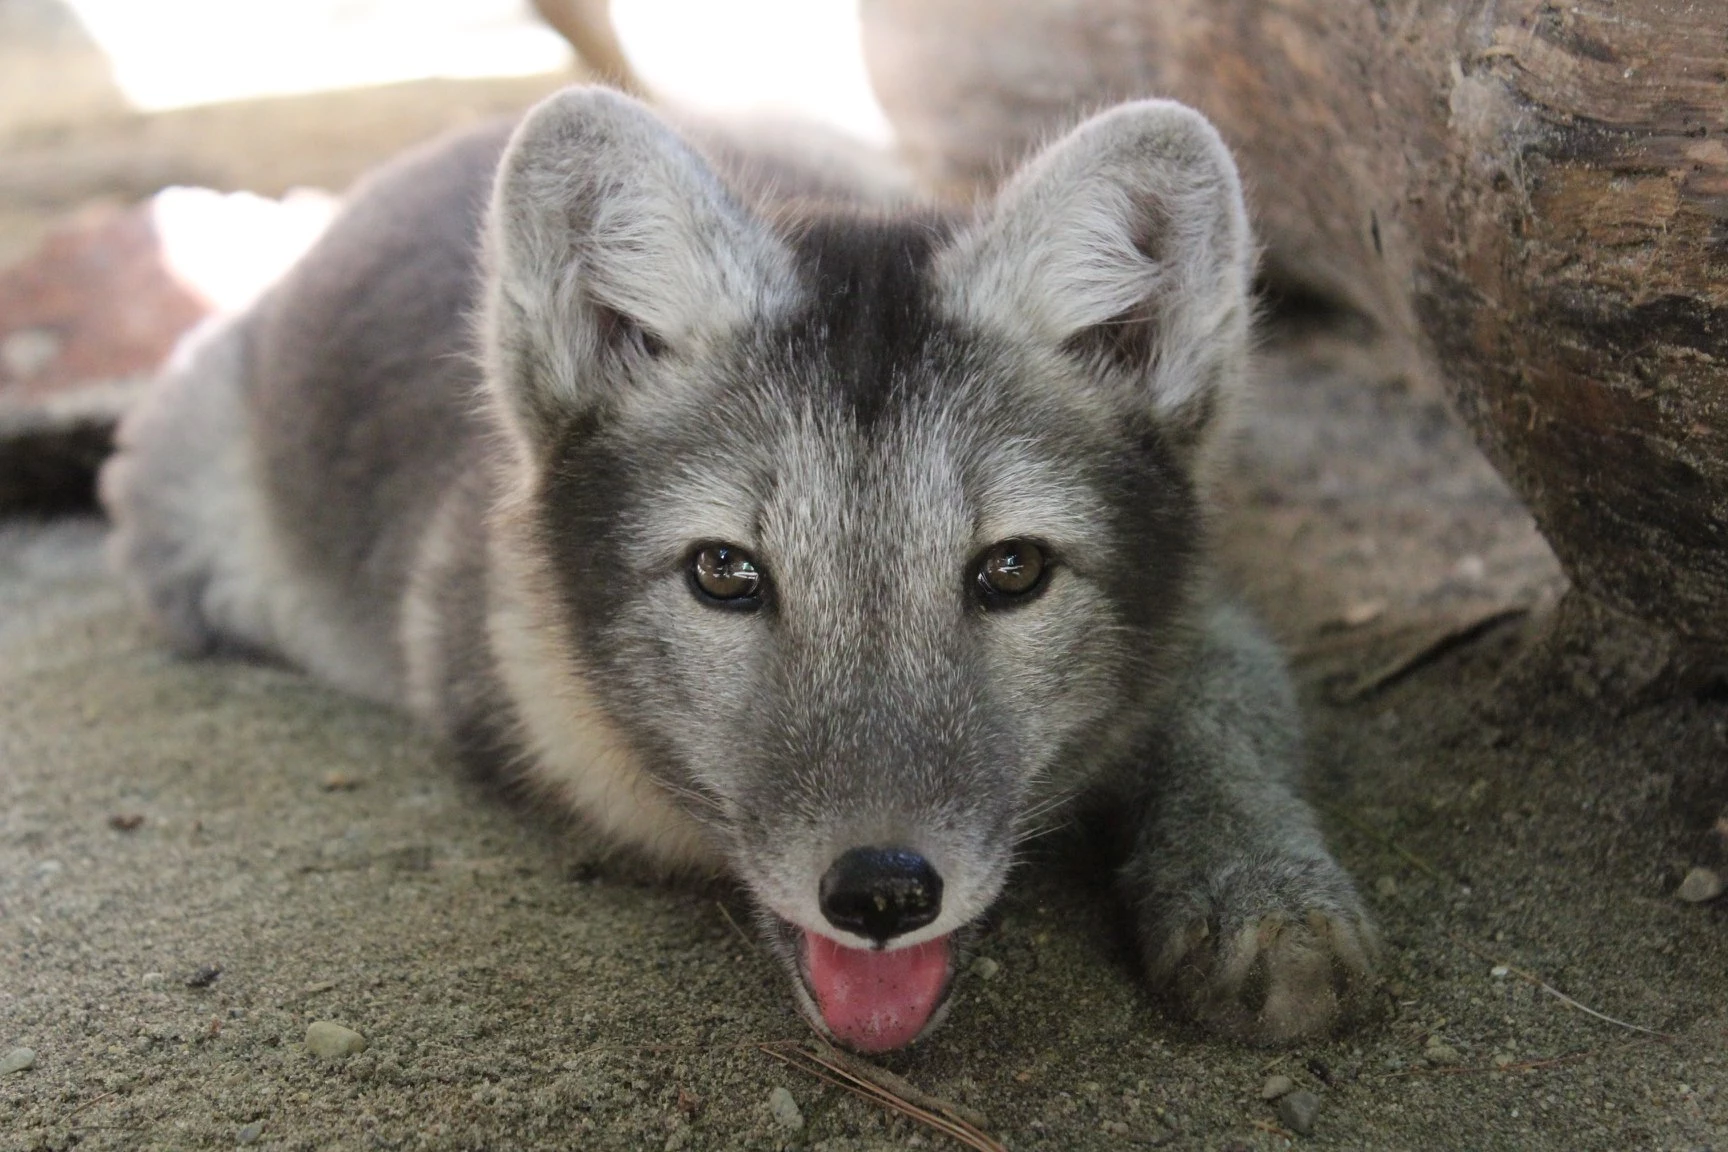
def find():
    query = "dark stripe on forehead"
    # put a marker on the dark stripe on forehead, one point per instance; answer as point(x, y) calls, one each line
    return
point(869, 319)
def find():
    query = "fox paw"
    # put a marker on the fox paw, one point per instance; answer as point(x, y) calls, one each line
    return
point(1267, 952)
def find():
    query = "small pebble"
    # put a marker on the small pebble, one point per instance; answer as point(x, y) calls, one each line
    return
point(1386, 887)
point(785, 1110)
point(1298, 1110)
point(1701, 884)
point(1470, 568)
point(1439, 1053)
point(17, 1060)
point(205, 976)
point(126, 821)
point(250, 1133)
point(985, 968)
point(1362, 612)
point(330, 1040)
point(1499, 971)
point(1114, 1128)
point(1277, 1086)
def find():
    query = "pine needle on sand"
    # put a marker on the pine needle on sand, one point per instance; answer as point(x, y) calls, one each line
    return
point(885, 1088)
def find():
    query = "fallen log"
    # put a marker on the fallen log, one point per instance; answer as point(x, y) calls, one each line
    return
point(1529, 200)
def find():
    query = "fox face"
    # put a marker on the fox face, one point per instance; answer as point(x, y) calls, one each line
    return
point(872, 534)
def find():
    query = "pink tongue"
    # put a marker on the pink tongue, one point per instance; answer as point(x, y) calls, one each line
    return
point(875, 1001)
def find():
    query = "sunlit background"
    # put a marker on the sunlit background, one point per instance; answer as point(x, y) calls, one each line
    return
point(174, 53)
point(802, 57)
point(215, 128)
point(780, 56)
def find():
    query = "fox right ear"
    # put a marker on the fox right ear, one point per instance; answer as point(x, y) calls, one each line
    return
point(611, 242)
point(1124, 244)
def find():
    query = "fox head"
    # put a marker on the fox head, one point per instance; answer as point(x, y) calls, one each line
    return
point(872, 532)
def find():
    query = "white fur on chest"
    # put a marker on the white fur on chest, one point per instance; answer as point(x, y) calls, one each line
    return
point(573, 751)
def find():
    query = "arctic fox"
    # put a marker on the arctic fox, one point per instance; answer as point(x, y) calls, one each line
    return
point(776, 524)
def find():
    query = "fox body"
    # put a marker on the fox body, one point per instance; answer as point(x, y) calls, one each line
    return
point(776, 524)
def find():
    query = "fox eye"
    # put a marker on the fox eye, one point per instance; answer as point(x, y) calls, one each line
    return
point(1012, 570)
point(726, 575)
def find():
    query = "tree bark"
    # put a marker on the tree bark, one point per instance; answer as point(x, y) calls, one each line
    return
point(1528, 199)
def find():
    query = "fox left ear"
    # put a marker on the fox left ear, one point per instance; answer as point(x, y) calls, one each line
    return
point(609, 238)
point(1124, 244)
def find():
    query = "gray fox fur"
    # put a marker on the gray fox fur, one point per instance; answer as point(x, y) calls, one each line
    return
point(470, 457)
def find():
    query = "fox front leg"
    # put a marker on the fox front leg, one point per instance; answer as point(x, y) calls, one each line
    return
point(1244, 919)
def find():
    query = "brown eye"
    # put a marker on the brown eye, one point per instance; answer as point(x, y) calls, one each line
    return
point(721, 572)
point(1011, 570)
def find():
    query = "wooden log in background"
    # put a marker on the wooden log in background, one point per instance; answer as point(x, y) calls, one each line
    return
point(1529, 200)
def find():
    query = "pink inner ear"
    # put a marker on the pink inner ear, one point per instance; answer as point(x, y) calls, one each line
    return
point(876, 1001)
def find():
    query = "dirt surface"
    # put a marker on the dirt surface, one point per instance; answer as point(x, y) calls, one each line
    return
point(162, 819)
point(198, 860)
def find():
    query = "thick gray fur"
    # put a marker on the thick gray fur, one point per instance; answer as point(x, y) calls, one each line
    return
point(458, 460)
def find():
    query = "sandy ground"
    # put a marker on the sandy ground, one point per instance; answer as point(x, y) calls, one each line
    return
point(161, 820)
point(336, 866)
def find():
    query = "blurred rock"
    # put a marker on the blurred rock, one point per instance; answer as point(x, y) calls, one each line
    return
point(101, 303)
point(96, 302)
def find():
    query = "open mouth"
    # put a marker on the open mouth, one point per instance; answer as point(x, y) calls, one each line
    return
point(875, 1000)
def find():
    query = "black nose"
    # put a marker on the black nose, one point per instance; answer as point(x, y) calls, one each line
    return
point(881, 892)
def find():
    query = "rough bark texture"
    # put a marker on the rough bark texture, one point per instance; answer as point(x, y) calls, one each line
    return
point(1529, 199)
